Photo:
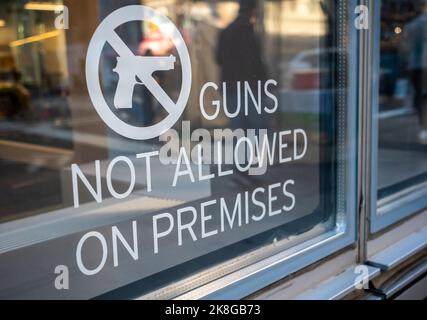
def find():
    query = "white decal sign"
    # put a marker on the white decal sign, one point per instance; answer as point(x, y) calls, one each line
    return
point(129, 67)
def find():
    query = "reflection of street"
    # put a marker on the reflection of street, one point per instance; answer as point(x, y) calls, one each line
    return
point(402, 97)
point(400, 159)
point(307, 188)
point(295, 63)
point(19, 180)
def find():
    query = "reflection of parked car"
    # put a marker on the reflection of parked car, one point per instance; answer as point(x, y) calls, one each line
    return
point(157, 43)
point(14, 98)
point(306, 69)
point(308, 81)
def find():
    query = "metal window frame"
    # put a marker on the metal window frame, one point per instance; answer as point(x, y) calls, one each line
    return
point(255, 277)
point(395, 208)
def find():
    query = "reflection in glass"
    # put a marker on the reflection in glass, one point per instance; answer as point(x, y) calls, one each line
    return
point(402, 161)
point(47, 121)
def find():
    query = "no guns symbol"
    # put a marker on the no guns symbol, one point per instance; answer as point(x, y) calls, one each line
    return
point(133, 69)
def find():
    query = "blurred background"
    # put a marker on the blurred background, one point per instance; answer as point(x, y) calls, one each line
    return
point(47, 121)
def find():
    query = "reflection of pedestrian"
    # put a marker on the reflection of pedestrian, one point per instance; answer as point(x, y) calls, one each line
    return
point(415, 55)
point(14, 97)
point(148, 112)
point(240, 59)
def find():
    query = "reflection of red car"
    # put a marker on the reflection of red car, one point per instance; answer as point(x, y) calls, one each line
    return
point(305, 69)
point(156, 44)
point(306, 79)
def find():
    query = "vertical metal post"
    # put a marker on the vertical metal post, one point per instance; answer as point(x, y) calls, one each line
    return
point(366, 38)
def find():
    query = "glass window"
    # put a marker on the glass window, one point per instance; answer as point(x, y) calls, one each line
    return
point(149, 144)
point(402, 116)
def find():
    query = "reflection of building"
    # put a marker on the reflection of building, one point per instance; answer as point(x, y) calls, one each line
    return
point(60, 126)
point(32, 47)
point(36, 138)
point(396, 91)
point(303, 18)
point(36, 34)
